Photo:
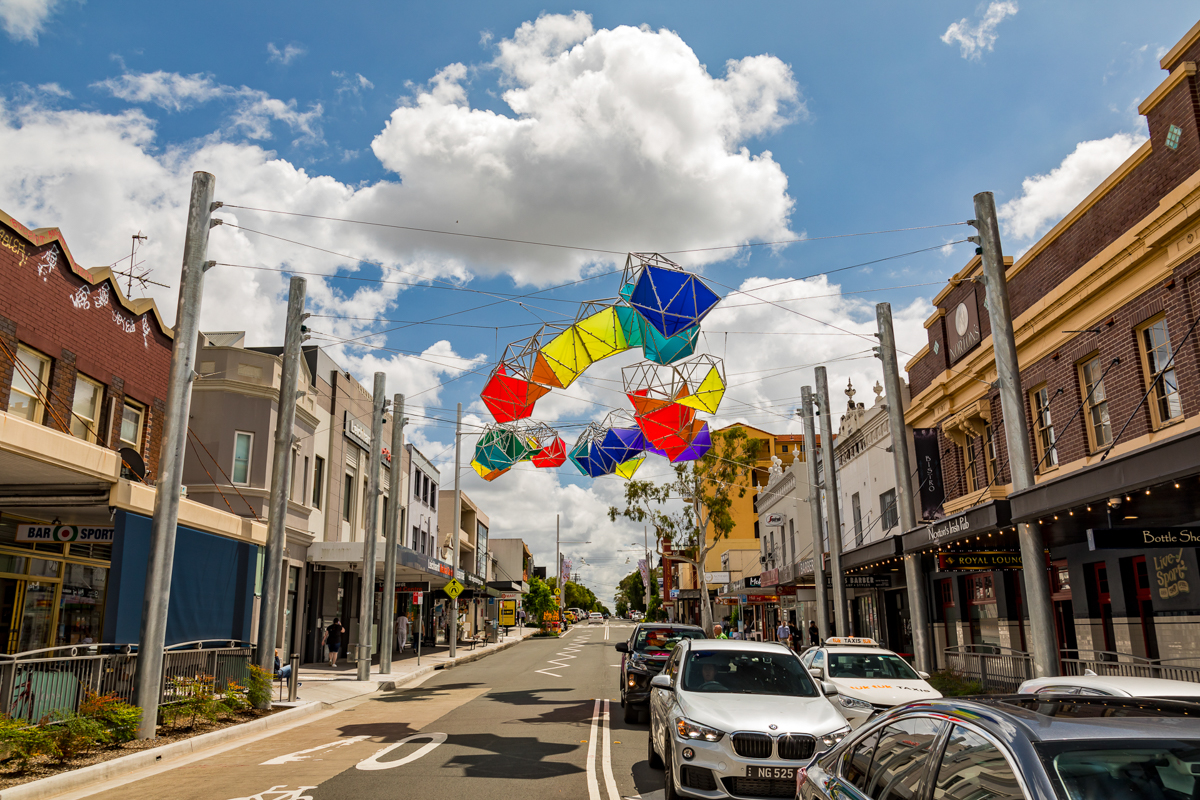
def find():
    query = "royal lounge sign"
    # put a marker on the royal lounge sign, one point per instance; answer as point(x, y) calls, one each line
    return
point(983, 560)
point(1139, 538)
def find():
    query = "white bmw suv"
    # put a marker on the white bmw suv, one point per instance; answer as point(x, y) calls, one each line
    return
point(736, 718)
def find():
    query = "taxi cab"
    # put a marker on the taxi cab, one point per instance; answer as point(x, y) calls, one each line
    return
point(869, 679)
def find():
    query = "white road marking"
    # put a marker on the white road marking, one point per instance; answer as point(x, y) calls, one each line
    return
point(565, 655)
point(609, 782)
point(301, 755)
point(657, 794)
point(592, 783)
point(373, 762)
point(281, 793)
point(606, 633)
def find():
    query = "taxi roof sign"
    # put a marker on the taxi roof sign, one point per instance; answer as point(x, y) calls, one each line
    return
point(855, 640)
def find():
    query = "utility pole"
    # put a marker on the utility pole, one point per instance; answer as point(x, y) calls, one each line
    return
point(649, 567)
point(558, 567)
point(387, 623)
point(832, 513)
point(1016, 434)
point(374, 467)
point(814, 507)
point(457, 525)
point(281, 480)
point(918, 606)
point(161, 559)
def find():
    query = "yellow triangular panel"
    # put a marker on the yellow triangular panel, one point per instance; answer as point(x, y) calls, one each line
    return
point(602, 334)
point(566, 356)
point(627, 468)
point(485, 473)
point(708, 395)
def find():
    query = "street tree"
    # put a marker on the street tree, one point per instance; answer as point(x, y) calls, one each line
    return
point(692, 509)
point(538, 600)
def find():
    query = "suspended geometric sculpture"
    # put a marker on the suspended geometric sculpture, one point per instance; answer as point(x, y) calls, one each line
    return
point(586, 456)
point(705, 379)
point(562, 358)
point(701, 443)
point(553, 455)
point(547, 448)
point(600, 327)
point(669, 298)
point(622, 440)
point(485, 473)
point(650, 386)
point(499, 448)
point(628, 468)
point(670, 428)
point(510, 395)
point(631, 325)
point(664, 350)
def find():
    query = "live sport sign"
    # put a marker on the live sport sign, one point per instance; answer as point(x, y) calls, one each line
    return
point(65, 533)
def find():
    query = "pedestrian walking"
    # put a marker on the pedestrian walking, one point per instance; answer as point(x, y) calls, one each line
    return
point(783, 633)
point(718, 632)
point(814, 633)
point(333, 640)
point(402, 631)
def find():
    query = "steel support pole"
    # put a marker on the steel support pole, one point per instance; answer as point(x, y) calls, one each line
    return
point(161, 559)
point(649, 563)
point(1016, 435)
point(387, 620)
point(814, 507)
point(558, 568)
point(374, 467)
point(832, 512)
point(454, 544)
point(918, 606)
point(281, 480)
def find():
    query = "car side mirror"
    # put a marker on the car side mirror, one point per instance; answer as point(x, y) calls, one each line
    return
point(622, 647)
point(816, 672)
point(662, 682)
point(924, 675)
point(828, 688)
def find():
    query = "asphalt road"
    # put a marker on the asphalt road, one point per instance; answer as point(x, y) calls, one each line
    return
point(539, 720)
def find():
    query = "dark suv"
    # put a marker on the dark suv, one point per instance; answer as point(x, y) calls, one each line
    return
point(1019, 747)
point(648, 648)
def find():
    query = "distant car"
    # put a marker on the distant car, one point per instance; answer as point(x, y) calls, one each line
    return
point(647, 649)
point(595, 618)
point(737, 718)
point(869, 679)
point(1113, 686)
point(1015, 747)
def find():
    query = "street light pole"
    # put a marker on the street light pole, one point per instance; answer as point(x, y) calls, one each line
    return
point(814, 507)
point(832, 512)
point(454, 533)
point(392, 525)
point(367, 614)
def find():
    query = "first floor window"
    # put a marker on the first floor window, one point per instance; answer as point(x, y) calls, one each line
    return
point(131, 424)
point(1160, 371)
point(969, 451)
point(318, 480)
point(85, 409)
point(348, 498)
point(1091, 378)
point(242, 442)
point(888, 512)
point(1043, 429)
point(30, 374)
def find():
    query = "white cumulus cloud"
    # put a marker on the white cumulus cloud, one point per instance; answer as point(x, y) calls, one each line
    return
point(1045, 199)
point(285, 56)
point(974, 39)
point(23, 20)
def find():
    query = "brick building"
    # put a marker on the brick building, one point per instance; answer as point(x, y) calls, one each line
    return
point(1105, 307)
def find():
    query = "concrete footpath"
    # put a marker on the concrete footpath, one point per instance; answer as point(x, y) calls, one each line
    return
point(325, 691)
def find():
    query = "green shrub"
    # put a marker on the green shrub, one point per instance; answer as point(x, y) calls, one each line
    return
point(953, 684)
point(258, 687)
point(235, 702)
point(120, 718)
point(196, 699)
point(22, 740)
point(69, 734)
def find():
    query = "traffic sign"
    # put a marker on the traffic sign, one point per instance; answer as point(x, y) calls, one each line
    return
point(453, 588)
point(418, 598)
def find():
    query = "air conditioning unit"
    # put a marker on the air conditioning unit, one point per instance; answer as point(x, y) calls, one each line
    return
point(762, 559)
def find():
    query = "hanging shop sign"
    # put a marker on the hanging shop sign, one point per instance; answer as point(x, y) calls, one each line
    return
point(357, 432)
point(65, 533)
point(408, 586)
point(716, 577)
point(982, 560)
point(1131, 538)
point(962, 327)
point(861, 581)
point(418, 598)
point(762, 598)
point(929, 471)
point(773, 520)
point(768, 577)
point(510, 595)
point(754, 582)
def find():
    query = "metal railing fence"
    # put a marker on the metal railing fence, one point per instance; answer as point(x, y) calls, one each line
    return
point(996, 668)
point(39, 682)
point(1109, 663)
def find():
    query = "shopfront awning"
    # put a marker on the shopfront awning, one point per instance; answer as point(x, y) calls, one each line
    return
point(974, 521)
point(1157, 463)
point(410, 565)
point(872, 553)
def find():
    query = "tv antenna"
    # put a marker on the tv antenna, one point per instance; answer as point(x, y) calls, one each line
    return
point(133, 275)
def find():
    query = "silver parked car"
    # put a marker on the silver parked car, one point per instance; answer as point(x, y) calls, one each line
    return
point(735, 718)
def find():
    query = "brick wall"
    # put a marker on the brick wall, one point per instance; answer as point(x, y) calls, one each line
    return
point(51, 305)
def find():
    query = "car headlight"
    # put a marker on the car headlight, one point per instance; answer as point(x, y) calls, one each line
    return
point(692, 730)
point(855, 703)
point(830, 739)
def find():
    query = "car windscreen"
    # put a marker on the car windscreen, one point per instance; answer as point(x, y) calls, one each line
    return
point(663, 640)
point(746, 672)
point(887, 666)
point(1151, 769)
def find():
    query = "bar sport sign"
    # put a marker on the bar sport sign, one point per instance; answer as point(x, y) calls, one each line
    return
point(64, 533)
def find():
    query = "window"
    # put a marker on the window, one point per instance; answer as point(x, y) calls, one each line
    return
point(857, 764)
point(989, 448)
point(901, 758)
point(294, 475)
point(29, 376)
point(888, 511)
point(856, 510)
point(242, 445)
point(318, 480)
point(348, 498)
point(131, 424)
point(304, 481)
point(433, 492)
point(416, 484)
point(969, 464)
point(1096, 403)
point(785, 448)
point(85, 409)
point(1165, 403)
point(1043, 429)
point(973, 768)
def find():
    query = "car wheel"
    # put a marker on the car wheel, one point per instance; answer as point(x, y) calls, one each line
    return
point(632, 714)
point(651, 755)
point(669, 790)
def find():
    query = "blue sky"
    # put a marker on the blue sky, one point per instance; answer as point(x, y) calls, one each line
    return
point(853, 117)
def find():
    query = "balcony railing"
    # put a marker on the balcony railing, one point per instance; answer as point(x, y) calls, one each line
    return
point(38, 682)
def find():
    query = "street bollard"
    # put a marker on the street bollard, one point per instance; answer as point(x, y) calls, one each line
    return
point(294, 678)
